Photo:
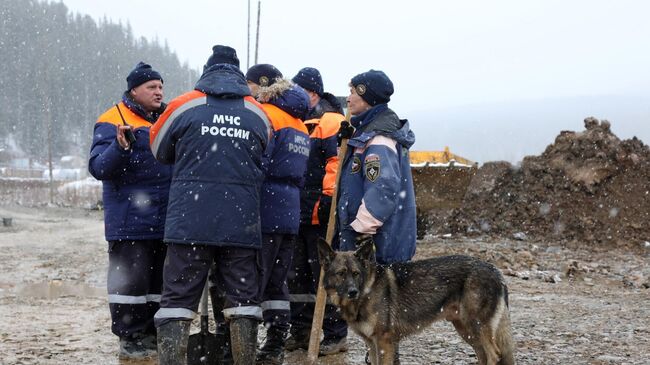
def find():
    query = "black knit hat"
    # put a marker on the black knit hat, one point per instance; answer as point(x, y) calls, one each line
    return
point(222, 54)
point(373, 86)
point(141, 74)
point(309, 79)
point(263, 74)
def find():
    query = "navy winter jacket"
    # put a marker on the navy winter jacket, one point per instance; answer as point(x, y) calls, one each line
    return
point(285, 159)
point(376, 194)
point(215, 137)
point(135, 185)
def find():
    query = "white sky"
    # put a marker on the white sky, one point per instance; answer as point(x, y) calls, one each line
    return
point(439, 54)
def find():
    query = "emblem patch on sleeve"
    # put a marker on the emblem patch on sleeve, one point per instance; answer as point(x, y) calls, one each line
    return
point(372, 167)
point(356, 164)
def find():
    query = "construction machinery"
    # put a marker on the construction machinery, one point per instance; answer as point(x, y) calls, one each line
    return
point(440, 179)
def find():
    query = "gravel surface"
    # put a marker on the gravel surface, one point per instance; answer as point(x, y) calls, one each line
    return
point(571, 305)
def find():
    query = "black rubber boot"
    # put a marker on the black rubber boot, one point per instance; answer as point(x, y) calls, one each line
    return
point(138, 347)
point(243, 336)
point(272, 353)
point(172, 342)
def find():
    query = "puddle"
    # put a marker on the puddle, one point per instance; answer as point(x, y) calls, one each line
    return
point(58, 288)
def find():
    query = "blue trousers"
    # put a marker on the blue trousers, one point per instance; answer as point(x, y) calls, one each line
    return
point(134, 284)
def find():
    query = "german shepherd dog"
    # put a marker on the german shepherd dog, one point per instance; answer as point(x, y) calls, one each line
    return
point(384, 304)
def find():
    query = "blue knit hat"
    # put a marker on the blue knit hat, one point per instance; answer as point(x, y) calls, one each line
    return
point(373, 86)
point(309, 79)
point(263, 74)
point(222, 54)
point(141, 74)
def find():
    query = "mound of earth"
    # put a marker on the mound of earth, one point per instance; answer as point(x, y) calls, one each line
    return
point(586, 186)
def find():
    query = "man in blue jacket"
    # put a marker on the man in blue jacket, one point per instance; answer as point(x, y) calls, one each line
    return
point(215, 136)
point(135, 190)
point(376, 195)
point(323, 122)
point(284, 163)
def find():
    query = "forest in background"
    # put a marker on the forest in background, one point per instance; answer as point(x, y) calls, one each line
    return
point(60, 70)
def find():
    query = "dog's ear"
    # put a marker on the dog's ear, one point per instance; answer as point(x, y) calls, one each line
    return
point(366, 249)
point(325, 252)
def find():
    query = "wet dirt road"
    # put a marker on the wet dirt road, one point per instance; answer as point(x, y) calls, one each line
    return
point(568, 305)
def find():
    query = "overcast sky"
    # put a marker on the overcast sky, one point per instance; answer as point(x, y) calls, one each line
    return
point(439, 54)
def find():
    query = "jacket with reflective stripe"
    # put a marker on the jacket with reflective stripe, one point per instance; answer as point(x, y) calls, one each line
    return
point(378, 176)
point(215, 137)
point(285, 162)
point(135, 185)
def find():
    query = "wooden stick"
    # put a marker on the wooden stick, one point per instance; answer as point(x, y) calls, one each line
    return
point(321, 296)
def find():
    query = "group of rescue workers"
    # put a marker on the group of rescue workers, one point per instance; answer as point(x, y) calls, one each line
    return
point(231, 184)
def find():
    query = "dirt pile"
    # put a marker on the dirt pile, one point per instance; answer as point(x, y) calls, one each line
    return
point(586, 186)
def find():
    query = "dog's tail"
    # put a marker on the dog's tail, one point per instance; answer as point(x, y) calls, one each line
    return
point(503, 335)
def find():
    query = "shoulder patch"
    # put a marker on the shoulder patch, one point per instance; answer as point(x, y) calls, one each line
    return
point(372, 167)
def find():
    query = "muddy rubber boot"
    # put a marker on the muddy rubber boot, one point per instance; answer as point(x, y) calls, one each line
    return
point(243, 337)
point(135, 349)
point(272, 353)
point(172, 342)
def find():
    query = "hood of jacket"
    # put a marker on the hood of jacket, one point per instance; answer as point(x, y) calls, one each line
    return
point(223, 80)
point(290, 98)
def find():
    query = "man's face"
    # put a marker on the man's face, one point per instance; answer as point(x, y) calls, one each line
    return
point(356, 104)
point(255, 88)
point(149, 95)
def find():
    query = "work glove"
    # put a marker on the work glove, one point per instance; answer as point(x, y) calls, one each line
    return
point(345, 132)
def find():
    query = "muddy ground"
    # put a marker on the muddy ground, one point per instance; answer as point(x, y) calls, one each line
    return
point(569, 305)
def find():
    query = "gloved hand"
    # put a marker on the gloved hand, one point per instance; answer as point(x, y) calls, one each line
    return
point(345, 132)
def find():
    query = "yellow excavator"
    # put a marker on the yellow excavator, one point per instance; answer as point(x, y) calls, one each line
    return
point(440, 179)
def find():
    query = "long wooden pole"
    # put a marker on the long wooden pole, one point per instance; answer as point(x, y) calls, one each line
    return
point(321, 296)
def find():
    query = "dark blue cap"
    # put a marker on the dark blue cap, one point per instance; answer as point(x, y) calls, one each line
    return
point(309, 79)
point(141, 74)
point(373, 86)
point(222, 54)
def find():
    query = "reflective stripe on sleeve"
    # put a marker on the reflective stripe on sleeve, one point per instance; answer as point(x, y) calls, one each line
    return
point(253, 311)
point(164, 313)
point(275, 305)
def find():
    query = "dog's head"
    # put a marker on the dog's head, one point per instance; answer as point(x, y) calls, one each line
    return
point(347, 273)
